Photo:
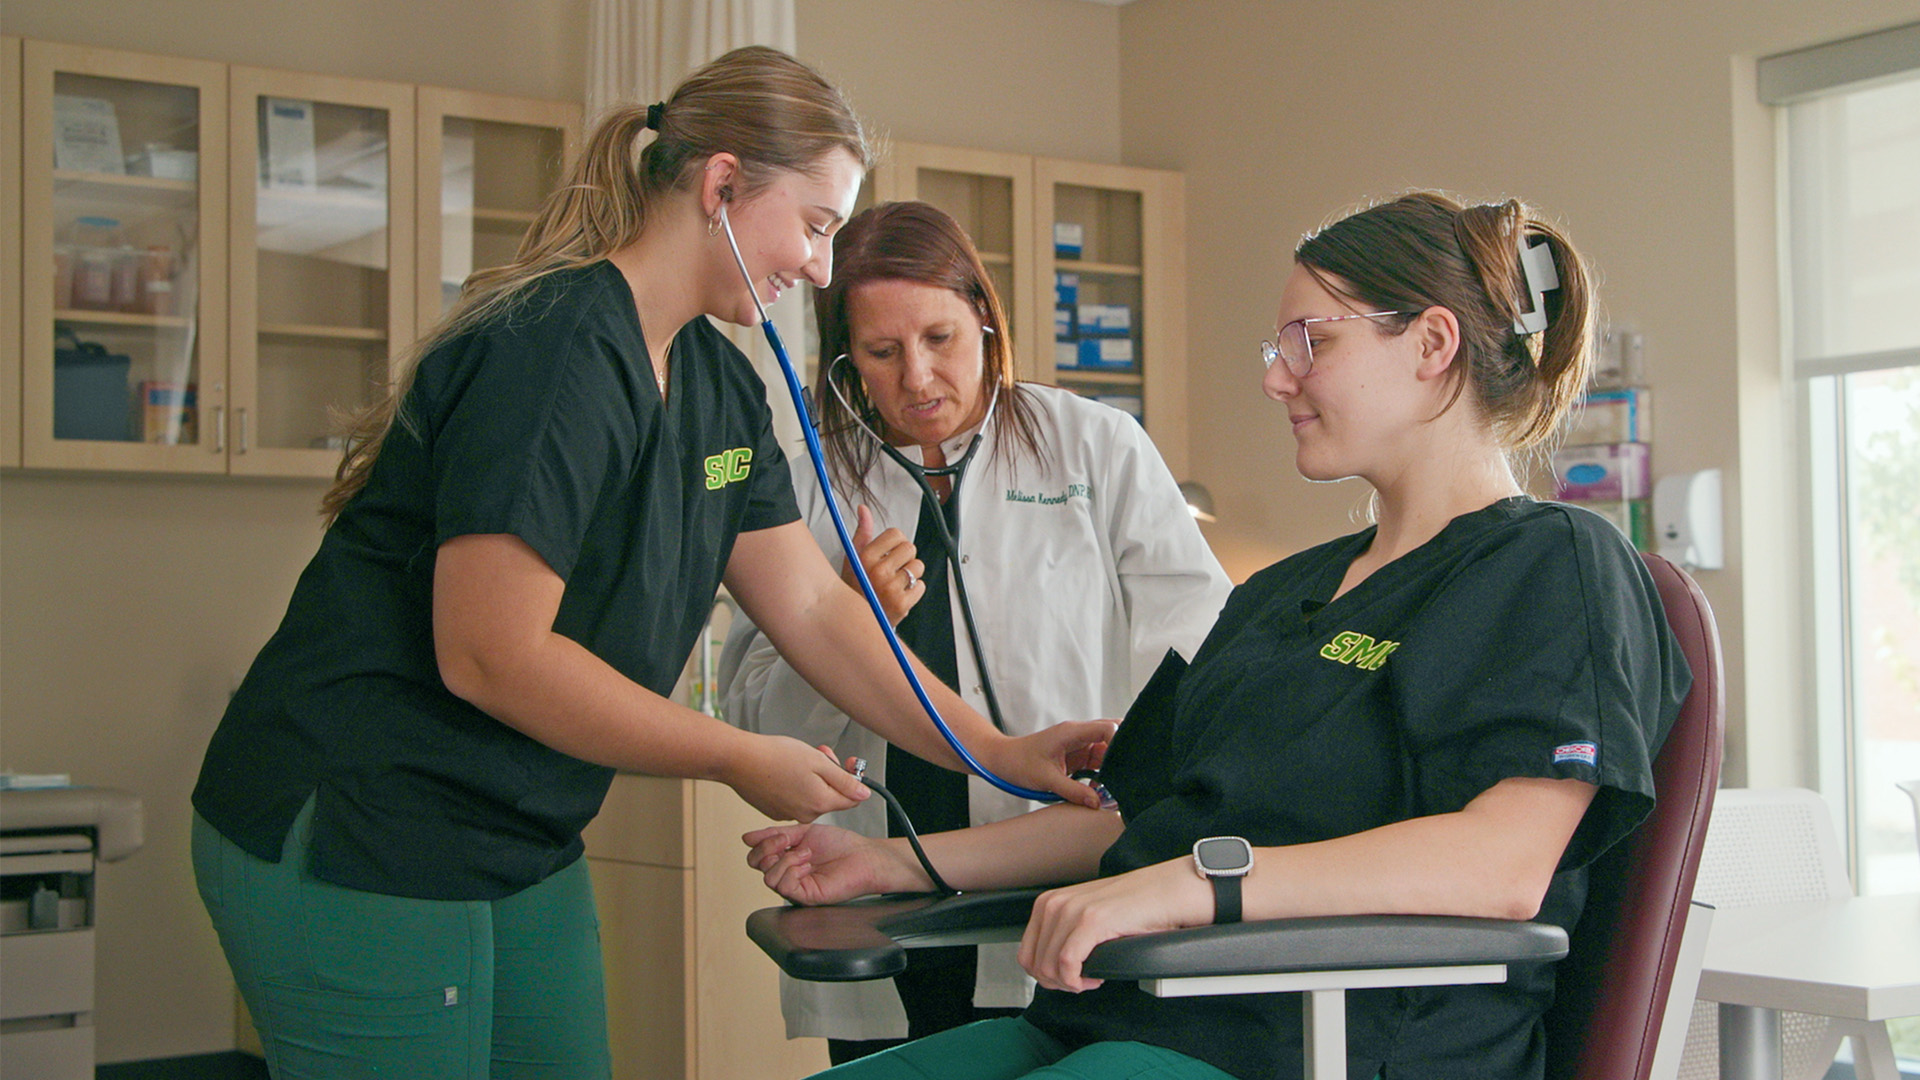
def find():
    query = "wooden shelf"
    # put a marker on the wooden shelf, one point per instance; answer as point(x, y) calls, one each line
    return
point(323, 333)
point(64, 178)
point(1099, 377)
point(1114, 269)
point(120, 318)
point(996, 258)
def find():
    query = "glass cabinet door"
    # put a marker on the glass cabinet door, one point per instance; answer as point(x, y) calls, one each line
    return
point(1112, 249)
point(123, 240)
point(322, 254)
point(486, 165)
point(991, 196)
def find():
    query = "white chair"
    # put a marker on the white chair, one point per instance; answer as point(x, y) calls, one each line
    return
point(1777, 846)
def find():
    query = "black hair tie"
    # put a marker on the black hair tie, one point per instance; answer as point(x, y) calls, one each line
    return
point(656, 114)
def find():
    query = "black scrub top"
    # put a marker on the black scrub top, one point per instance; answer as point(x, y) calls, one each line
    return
point(1525, 640)
point(544, 422)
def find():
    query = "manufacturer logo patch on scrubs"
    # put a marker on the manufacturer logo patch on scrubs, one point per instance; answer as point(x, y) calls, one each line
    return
point(729, 466)
point(1584, 752)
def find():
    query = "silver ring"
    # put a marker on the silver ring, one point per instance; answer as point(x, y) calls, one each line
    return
point(910, 578)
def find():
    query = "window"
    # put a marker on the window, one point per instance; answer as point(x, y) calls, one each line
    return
point(1851, 139)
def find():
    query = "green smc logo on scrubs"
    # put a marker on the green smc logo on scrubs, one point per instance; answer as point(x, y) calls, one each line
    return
point(1358, 650)
point(729, 466)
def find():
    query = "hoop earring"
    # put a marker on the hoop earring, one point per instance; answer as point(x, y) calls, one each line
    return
point(713, 225)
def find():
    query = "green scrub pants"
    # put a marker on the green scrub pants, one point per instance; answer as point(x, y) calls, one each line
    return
point(1016, 1050)
point(349, 984)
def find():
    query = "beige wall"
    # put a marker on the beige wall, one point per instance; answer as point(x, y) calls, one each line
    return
point(131, 604)
point(1619, 118)
point(1024, 76)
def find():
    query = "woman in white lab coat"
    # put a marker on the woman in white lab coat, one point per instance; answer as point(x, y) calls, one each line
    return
point(1081, 560)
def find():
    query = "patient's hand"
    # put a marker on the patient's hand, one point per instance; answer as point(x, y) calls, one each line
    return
point(825, 864)
point(1067, 923)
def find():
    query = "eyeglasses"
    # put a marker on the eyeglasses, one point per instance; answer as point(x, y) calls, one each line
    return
point(1296, 350)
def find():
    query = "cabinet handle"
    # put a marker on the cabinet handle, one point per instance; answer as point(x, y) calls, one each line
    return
point(219, 429)
point(246, 429)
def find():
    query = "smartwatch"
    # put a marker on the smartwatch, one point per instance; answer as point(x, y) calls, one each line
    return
point(1224, 860)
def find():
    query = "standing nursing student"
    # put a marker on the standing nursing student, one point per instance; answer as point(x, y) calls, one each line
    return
point(523, 544)
point(1082, 563)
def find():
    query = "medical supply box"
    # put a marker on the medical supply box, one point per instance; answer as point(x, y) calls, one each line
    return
point(1066, 288)
point(1104, 353)
point(1105, 319)
point(1068, 238)
point(1612, 416)
point(1605, 472)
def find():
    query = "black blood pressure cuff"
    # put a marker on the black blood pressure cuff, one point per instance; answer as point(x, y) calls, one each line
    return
point(1139, 768)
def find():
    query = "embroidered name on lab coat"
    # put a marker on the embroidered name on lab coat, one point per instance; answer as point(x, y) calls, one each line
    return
point(1073, 491)
point(1358, 650)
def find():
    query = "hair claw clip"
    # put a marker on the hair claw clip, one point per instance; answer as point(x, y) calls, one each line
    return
point(1536, 262)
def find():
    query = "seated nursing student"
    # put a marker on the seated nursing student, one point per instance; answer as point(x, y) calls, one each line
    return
point(1450, 712)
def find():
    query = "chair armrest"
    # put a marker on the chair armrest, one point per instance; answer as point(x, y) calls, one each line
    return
point(868, 939)
point(1327, 943)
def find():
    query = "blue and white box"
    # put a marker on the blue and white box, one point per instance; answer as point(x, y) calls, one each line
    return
point(1063, 326)
point(1105, 352)
point(1624, 415)
point(1068, 238)
point(1066, 288)
point(1106, 319)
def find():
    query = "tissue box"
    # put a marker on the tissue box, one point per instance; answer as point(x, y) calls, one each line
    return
point(1066, 288)
point(1607, 472)
point(1612, 416)
point(1633, 517)
point(1063, 325)
point(1068, 237)
point(1102, 352)
point(1106, 319)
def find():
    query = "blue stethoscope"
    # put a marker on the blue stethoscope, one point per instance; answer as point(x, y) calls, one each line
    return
point(853, 559)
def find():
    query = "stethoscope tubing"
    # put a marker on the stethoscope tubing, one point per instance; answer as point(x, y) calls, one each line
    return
point(818, 457)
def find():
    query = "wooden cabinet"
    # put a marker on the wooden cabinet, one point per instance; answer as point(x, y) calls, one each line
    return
point(9, 267)
point(1130, 266)
point(688, 995)
point(219, 262)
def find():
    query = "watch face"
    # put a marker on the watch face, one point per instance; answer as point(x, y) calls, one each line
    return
point(1223, 854)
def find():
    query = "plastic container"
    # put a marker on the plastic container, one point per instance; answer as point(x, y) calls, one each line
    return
point(126, 279)
point(156, 282)
point(94, 262)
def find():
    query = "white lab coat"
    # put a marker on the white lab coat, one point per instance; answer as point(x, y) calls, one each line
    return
point(1084, 570)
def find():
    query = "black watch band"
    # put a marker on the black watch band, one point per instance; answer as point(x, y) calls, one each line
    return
point(1226, 900)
